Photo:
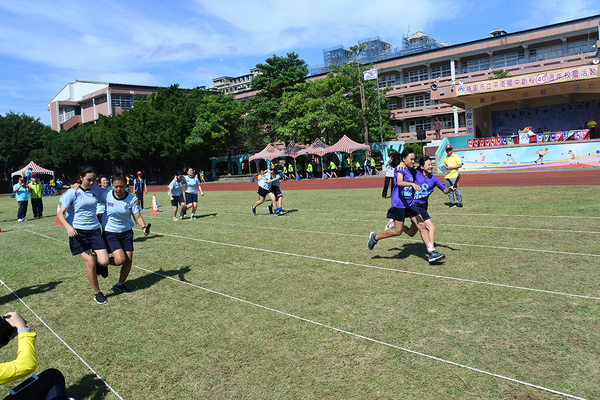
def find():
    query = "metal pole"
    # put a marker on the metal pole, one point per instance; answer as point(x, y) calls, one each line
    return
point(379, 103)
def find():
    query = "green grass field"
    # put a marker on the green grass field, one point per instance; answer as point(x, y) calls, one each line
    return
point(234, 305)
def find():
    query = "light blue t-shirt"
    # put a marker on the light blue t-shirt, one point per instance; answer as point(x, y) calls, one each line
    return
point(101, 207)
point(275, 182)
point(81, 206)
point(21, 194)
point(117, 217)
point(262, 182)
point(190, 184)
point(176, 188)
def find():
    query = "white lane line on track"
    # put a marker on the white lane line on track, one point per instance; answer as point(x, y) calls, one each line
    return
point(415, 241)
point(62, 340)
point(407, 350)
point(352, 333)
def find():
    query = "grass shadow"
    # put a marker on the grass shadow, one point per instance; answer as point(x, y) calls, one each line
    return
point(205, 215)
point(152, 278)
point(144, 238)
point(88, 387)
point(410, 249)
point(29, 290)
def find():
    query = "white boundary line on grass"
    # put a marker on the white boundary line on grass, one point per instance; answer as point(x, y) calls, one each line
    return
point(437, 224)
point(381, 268)
point(334, 328)
point(460, 213)
point(61, 339)
point(417, 241)
point(366, 337)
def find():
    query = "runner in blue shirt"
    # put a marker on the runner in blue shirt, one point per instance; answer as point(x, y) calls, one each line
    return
point(20, 189)
point(176, 194)
point(264, 188)
point(191, 194)
point(118, 232)
point(403, 202)
point(428, 182)
point(83, 228)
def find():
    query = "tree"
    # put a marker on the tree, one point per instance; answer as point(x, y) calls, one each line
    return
point(20, 135)
point(218, 124)
point(278, 75)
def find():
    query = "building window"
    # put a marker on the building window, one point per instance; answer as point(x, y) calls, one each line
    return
point(580, 47)
point(416, 101)
point(546, 53)
point(87, 104)
point(480, 64)
point(507, 60)
point(66, 114)
point(123, 101)
point(391, 105)
point(416, 76)
point(418, 124)
point(447, 122)
point(441, 71)
point(389, 80)
point(100, 100)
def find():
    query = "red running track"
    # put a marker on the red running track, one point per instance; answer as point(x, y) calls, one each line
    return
point(574, 176)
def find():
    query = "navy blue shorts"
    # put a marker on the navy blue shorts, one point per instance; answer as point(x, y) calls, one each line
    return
point(191, 198)
point(177, 200)
point(87, 240)
point(276, 191)
point(119, 240)
point(399, 214)
point(263, 192)
point(421, 208)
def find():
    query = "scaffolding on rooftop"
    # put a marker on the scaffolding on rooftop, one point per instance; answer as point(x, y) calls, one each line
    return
point(419, 42)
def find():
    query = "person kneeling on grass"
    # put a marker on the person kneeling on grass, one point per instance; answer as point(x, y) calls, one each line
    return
point(403, 203)
point(117, 223)
point(49, 385)
point(428, 182)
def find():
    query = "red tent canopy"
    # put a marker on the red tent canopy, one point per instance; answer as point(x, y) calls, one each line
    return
point(292, 150)
point(347, 145)
point(267, 153)
point(319, 148)
point(36, 169)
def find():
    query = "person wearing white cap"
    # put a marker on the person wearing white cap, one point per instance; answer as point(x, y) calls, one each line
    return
point(453, 164)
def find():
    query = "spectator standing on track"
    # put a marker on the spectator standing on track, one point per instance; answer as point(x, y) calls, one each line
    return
point(20, 190)
point(192, 185)
point(373, 167)
point(389, 175)
point(591, 125)
point(309, 171)
point(140, 188)
point(37, 205)
point(176, 194)
point(453, 163)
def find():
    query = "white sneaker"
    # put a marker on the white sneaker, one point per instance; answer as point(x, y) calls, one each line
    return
point(175, 219)
point(19, 220)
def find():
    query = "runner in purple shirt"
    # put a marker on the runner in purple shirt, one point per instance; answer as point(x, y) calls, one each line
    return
point(403, 203)
point(428, 182)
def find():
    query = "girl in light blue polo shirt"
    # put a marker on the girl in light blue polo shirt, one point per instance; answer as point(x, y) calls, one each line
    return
point(83, 228)
point(120, 207)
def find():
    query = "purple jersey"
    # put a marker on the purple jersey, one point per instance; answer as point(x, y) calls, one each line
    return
point(402, 196)
point(427, 186)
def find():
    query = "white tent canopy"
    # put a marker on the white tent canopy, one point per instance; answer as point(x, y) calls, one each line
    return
point(36, 169)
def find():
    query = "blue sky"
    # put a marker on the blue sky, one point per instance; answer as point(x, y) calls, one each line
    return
point(46, 44)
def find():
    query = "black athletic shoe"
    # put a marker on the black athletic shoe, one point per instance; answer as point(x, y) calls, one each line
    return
point(253, 209)
point(270, 209)
point(99, 297)
point(121, 288)
point(460, 205)
point(452, 205)
point(102, 271)
point(282, 212)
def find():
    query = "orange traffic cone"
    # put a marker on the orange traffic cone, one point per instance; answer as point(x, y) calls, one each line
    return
point(0, 230)
point(154, 205)
point(57, 221)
